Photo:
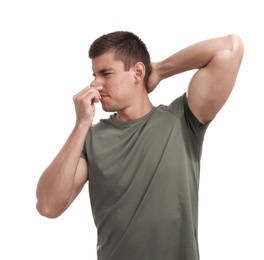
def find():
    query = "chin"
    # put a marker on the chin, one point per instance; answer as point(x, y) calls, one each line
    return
point(108, 109)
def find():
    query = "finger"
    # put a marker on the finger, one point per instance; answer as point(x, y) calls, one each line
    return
point(97, 86)
point(84, 92)
point(92, 96)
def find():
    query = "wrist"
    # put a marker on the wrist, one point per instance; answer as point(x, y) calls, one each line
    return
point(82, 126)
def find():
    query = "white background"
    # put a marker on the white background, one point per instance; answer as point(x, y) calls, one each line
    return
point(44, 62)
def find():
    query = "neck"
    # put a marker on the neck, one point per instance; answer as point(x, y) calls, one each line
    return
point(136, 111)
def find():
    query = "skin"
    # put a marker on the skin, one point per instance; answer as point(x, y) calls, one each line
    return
point(123, 91)
point(217, 62)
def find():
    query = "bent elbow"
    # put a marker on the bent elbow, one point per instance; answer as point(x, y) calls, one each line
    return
point(237, 45)
point(45, 211)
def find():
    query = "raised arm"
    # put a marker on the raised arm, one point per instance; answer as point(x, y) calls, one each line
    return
point(217, 60)
point(65, 177)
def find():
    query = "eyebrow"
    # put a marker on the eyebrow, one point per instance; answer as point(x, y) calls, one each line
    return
point(102, 71)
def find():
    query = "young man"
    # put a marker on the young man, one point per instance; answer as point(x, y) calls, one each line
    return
point(143, 162)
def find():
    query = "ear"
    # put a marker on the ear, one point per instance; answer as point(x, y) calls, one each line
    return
point(140, 71)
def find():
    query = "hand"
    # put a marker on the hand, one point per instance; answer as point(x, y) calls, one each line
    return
point(84, 104)
point(154, 78)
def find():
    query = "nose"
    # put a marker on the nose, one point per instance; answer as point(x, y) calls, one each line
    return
point(96, 83)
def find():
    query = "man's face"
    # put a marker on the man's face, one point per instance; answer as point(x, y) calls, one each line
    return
point(118, 84)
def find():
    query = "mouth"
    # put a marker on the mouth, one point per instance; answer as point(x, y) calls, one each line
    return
point(103, 96)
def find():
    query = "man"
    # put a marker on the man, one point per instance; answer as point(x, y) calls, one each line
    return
point(143, 162)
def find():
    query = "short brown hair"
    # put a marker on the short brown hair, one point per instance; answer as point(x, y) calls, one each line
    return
point(127, 46)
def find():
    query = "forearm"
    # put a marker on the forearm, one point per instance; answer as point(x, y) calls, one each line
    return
point(56, 184)
point(195, 56)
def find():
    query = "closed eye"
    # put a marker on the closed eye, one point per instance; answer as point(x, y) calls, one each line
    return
point(103, 73)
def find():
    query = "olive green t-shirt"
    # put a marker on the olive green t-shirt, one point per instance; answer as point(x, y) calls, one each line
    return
point(143, 184)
